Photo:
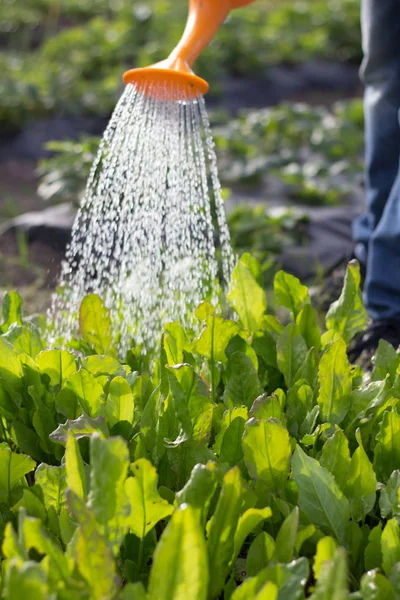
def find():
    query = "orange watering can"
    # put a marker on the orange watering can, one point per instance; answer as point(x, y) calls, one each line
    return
point(204, 20)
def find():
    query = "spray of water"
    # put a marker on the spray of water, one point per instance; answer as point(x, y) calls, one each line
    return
point(145, 236)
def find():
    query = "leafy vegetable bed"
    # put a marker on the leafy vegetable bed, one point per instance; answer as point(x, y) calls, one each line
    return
point(255, 461)
point(315, 150)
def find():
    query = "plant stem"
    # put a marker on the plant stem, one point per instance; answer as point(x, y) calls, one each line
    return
point(213, 395)
point(141, 551)
point(3, 431)
point(353, 581)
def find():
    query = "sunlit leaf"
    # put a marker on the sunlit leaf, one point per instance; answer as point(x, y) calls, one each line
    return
point(147, 506)
point(95, 324)
point(175, 343)
point(336, 458)
point(88, 392)
point(91, 551)
point(192, 402)
point(308, 325)
point(387, 450)
point(267, 407)
point(260, 553)
point(11, 309)
point(286, 538)
point(290, 292)
point(385, 361)
point(245, 295)
point(291, 352)
point(109, 463)
point(326, 549)
point(74, 468)
point(335, 383)
point(215, 337)
point(180, 566)
point(221, 535)
point(347, 315)
point(199, 490)
point(13, 468)
point(59, 365)
point(361, 483)
point(247, 523)
point(103, 365)
point(228, 417)
point(119, 405)
point(333, 578)
point(267, 452)
point(390, 542)
point(26, 580)
point(10, 366)
point(25, 339)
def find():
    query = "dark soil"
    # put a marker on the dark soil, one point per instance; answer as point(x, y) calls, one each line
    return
point(18, 183)
point(31, 269)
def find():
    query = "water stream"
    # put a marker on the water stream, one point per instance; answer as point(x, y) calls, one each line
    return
point(150, 237)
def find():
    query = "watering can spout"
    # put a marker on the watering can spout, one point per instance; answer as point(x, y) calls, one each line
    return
point(204, 19)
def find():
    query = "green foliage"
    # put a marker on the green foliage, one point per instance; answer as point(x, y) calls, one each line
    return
point(319, 496)
point(221, 533)
point(347, 315)
point(387, 451)
point(95, 324)
point(63, 176)
point(290, 293)
point(332, 583)
point(69, 55)
point(265, 235)
point(267, 453)
point(147, 505)
point(335, 384)
point(360, 487)
point(246, 296)
point(180, 569)
point(291, 351)
point(201, 478)
point(315, 151)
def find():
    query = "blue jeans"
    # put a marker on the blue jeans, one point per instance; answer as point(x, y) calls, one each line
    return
point(377, 231)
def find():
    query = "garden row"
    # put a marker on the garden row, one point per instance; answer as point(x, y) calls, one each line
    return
point(251, 461)
point(69, 56)
point(314, 153)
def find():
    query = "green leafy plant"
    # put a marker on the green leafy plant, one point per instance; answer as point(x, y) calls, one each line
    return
point(253, 461)
point(315, 151)
point(265, 235)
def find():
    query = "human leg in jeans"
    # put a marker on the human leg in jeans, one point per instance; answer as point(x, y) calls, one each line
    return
point(377, 231)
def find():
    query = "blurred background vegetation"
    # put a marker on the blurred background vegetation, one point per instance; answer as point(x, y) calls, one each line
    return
point(67, 55)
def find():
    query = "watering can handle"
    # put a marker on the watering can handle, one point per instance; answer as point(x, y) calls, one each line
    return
point(204, 20)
